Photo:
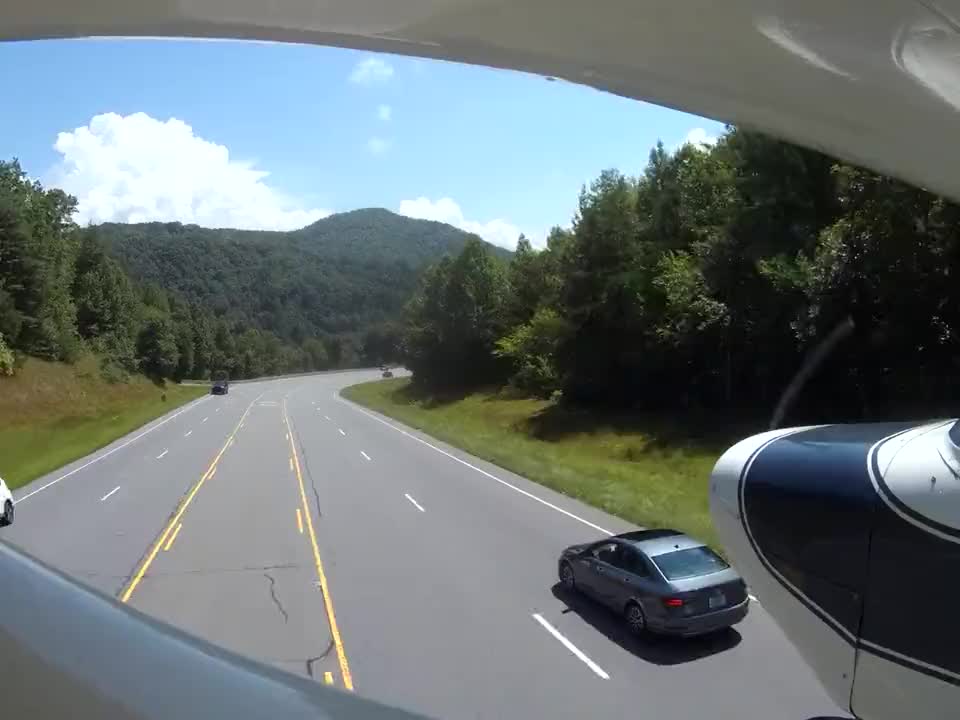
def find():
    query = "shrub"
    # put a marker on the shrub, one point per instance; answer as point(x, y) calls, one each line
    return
point(7, 360)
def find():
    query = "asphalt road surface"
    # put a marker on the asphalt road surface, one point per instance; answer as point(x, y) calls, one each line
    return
point(283, 522)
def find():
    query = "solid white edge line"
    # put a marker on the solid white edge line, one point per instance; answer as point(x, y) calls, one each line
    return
point(415, 503)
point(109, 493)
point(364, 454)
point(342, 432)
point(479, 470)
point(162, 454)
point(571, 647)
point(108, 453)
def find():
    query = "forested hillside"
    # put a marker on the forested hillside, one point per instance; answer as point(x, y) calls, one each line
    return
point(707, 283)
point(340, 276)
point(181, 301)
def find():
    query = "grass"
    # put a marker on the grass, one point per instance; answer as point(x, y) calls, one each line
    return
point(649, 471)
point(52, 414)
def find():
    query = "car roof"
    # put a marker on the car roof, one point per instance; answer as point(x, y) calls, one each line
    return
point(659, 541)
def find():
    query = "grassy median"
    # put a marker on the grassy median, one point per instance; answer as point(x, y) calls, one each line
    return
point(653, 472)
point(52, 414)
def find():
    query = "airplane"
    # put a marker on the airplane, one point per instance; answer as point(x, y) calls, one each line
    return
point(848, 533)
point(850, 537)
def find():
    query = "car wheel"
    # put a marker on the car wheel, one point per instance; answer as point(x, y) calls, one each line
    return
point(566, 576)
point(636, 620)
point(7, 518)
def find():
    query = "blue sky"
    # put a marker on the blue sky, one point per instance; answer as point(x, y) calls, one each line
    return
point(269, 135)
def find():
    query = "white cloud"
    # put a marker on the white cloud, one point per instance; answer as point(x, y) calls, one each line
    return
point(699, 137)
point(498, 232)
point(371, 71)
point(378, 145)
point(384, 112)
point(135, 168)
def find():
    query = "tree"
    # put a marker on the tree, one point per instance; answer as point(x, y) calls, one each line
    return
point(106, 304)
point(6, 358)
point(157, 344)
point(532, 349)
point(455, 318)
point(316, 353)
point(37, 254)
point(381, 343)
point(202, 326)
point(605, 283)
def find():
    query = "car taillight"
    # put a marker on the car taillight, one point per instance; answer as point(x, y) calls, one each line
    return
point(673, 602)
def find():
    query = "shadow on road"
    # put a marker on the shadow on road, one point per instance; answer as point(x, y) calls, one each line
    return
point(653, 649)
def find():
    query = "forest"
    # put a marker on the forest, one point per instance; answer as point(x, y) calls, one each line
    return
point(707, 283)
point(175, 301)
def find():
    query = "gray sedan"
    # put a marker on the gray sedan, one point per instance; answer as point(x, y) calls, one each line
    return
point(660, 580)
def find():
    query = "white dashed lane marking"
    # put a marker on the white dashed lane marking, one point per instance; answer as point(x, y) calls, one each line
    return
point(415, 503)
point(571, 647)
point(109, 493)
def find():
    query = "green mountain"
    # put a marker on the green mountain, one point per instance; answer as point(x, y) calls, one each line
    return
point(340, 275)
point(385, 235)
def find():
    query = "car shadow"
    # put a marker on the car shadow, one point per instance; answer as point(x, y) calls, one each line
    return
point(658, 650)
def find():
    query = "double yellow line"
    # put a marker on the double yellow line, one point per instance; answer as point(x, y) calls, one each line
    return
point(169, 534)
point(175, 521)
point(324, 586)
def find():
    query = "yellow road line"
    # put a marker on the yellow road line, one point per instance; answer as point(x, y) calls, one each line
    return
point(299, 521)
point(324, 587)
point(172, 538)
point(328, 678)
point(183, 506)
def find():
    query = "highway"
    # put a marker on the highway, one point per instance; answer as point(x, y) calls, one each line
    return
point(287, 524)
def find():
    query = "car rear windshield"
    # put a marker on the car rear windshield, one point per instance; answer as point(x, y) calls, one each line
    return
point(681, 564)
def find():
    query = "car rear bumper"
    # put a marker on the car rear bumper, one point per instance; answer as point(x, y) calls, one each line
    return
point(702, 624)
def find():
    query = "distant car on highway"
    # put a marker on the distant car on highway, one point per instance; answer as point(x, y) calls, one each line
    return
point(6, 504)
point(387, 373)
point(661, 581)
point(220, 387)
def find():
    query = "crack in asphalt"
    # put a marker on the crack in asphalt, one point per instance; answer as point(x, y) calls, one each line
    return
point(273, 595)
point(215, 571)
point(321, 656)
point(306, 466)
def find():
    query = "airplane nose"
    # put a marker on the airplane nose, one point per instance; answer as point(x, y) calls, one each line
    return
point(725, 482)
point(834, 528)
point(772, 503)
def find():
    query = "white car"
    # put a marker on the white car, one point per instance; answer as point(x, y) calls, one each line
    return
point(6, 504)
